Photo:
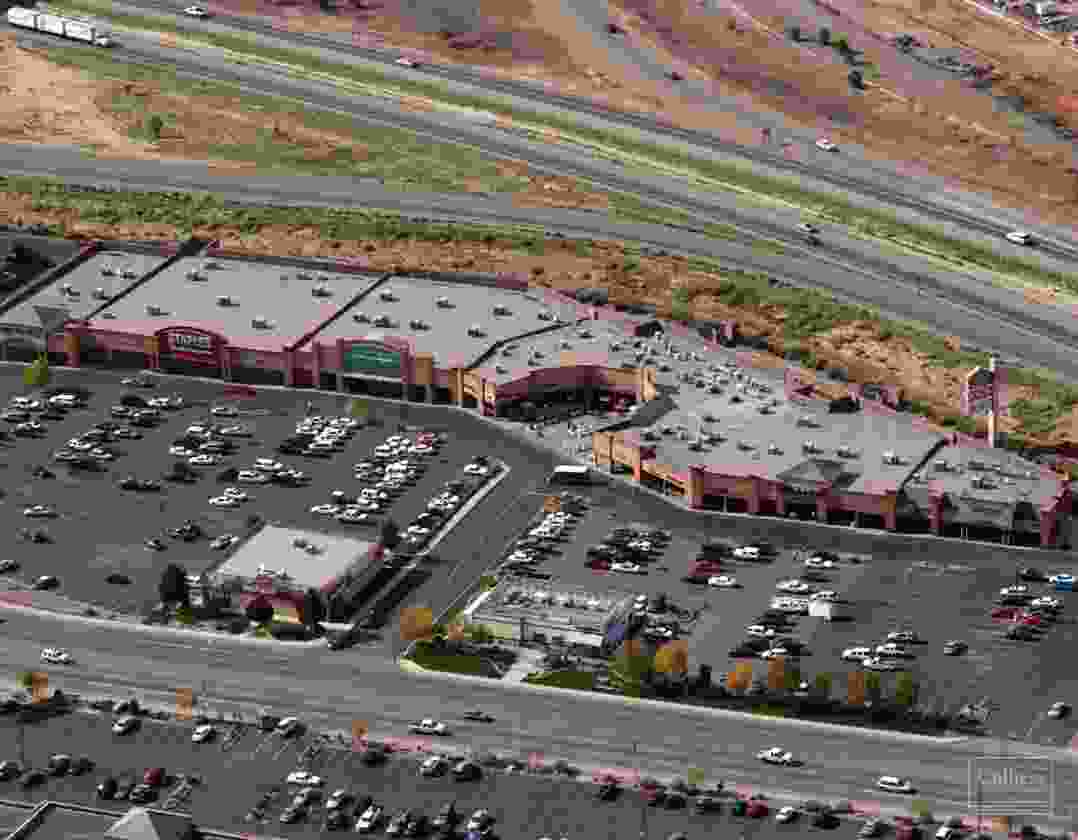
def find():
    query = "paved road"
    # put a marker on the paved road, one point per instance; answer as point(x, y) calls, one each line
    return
point(526, 806)
point(331, 690)
point(983, 315)
point(911, 194)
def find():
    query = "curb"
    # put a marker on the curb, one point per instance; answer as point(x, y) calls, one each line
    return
point(470, 505)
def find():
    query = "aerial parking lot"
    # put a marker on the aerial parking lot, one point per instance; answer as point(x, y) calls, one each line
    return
point(127, 520)
point(239, 784)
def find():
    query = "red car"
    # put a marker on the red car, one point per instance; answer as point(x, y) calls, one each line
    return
point(756, 809)
point(1006, 613)
point(1029, 620)
point(598, 564)
point(154, 777)
point(706, 568)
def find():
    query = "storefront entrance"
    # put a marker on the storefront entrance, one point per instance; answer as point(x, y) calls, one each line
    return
point(183, 367)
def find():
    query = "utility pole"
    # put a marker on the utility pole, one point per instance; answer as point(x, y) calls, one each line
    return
point(643, 804)
point(22, 739)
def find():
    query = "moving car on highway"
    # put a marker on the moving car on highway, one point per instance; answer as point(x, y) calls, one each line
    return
point(428, 726)
point(1020, 237)
point(895, 784)
point(56, 656)
point(776, 755)
point(478, 715)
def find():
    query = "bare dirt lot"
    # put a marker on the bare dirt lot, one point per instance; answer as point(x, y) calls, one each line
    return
point(944, 128)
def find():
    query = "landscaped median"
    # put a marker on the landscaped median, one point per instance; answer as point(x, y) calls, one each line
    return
point(579, 680)
point(458, 658)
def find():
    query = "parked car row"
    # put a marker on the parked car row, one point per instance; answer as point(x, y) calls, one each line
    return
point(319, 437)
point(629, 550)
point(443, 506)
point(1025, 615)
point(543, 538)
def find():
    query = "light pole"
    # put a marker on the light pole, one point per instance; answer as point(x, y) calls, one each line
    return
point(643, 803)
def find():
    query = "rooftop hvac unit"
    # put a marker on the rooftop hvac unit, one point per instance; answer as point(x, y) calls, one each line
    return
point(941, 465)
point(500, 369)
point(108, 271)
point(303, 275)
point(99, 294)
point(774, 449)
point(501, 311)
point(506, 353)
point(388, 297)
point(585, 334)
point(475, 331)
point(109, 315)
point(225, 300)
point(444, 303)
point(808, 422)
point(196, 276)
point(65, 288)
point(322, 291)
point(416, 324)
point(746, 446)
point(73, 293)
point(151, 309)
point(211, 265)
point(260, 323)
point(545, 316)
point(565, 345)
point(361, 318)
point(847, 452)
point(129, 273)
point(383, 321)
point(810, 446)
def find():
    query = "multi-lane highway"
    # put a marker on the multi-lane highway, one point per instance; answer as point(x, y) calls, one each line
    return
point(331, 690)
point(905, 287)
point(931, 199)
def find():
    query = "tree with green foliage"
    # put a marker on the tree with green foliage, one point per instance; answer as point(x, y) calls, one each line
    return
point(37, 374)
point(906, 690)
point(184, 614)
point(842, 44)
point(260, 610)
point(153, 126)
point(313, 611)
point(630, 673)
point(792, 677)
point(488, 582)
point(173, 587)
point(873, 687)
point(481, 634)
point(822, 684)
point(25, 680)
point(679, 304)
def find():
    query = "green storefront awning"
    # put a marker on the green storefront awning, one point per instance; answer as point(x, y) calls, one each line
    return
point(367, 358)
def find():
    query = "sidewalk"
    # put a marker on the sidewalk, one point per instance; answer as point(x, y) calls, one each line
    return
point(529, 662)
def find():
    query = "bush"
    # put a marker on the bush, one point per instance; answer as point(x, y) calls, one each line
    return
point(184, 615)
point(842, 44)
point(825, 35)
point(153, 126)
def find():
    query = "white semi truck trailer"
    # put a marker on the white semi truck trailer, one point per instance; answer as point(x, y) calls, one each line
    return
point(77, 30)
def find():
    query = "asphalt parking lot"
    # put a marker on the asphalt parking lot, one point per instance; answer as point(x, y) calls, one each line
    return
point(93, 511)
point(526, 807)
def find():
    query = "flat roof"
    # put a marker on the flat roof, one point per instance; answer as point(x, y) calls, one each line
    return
point(776, 445)
point(995, 476)
point(63, 823)
point(586, 342)
point(447, 338)
point(129, 268)
point(272, 549)
point(566, 607)
point(281, 293)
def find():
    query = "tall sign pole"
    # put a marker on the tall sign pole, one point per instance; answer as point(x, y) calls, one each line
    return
point(995, 405)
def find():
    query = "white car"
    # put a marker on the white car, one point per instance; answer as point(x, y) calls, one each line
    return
point(223, 542)
point(126, 724)
point(476, 469)
point(1047, 603)
point(894, 784)
point(760, 631)
point(775, 653)
point(825, 145)
point(856, 654)
point(406, 62)
point(39, 512)
point(252, 477)
point(1020, 237)
point(794, 587)
point(236, 494)
point(326, 510)
point(776, 755)
point(827, 595)
point(224, 501)
point(338, 799)
point(908, 637)
point(418, 530)
point(9, 565)
point(235, 431)
point(370, 819)
point(101, 455)
point(158, 402)
point(202, 734)
point(429, 726)
point(747, 552)
point(56, 656)
point(1017, 589)
point(723, 582)
point(787, 814)
point(79, 445)
point(221, 410)
point(434, 766)
point(627, 568)
point(892, 649)
point(181, 452)
point(304, 779)
point(821, 563)
point(198, 12)
point(196, 430)
point(875, 663)
point(202, 460)
point(353, 516)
